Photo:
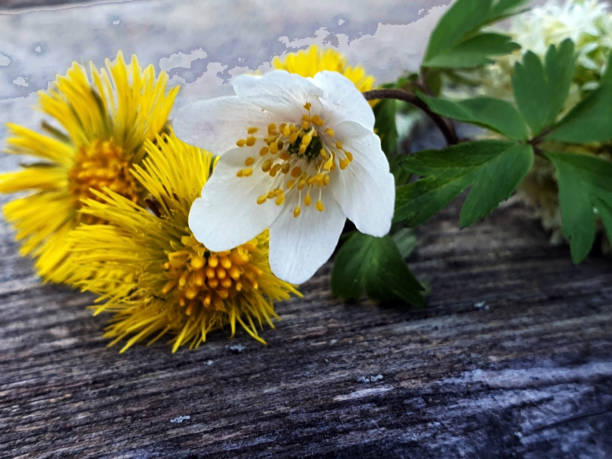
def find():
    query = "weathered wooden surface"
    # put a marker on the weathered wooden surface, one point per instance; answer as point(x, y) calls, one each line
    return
point(529, 372)
point(512, 356)
point(19, 4)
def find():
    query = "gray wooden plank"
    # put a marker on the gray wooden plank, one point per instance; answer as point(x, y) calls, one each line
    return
point(529, 373)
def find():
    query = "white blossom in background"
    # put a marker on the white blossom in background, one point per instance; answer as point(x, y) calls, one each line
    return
point(298, 156)
point(586, 22)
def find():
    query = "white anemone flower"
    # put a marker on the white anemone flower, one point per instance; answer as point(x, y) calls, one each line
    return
point(298, 156)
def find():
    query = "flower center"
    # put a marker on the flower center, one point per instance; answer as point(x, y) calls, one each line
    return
point(204, 279)
point(299, 158)
point(101, 164)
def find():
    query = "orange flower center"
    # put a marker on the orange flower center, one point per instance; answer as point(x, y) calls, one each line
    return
point(102, 164)
point(204, 279)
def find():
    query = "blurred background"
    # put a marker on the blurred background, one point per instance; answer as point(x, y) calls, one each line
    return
point(201, 45)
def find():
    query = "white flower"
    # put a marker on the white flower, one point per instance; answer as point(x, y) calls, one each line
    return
point(298, 156)
point(586, 22)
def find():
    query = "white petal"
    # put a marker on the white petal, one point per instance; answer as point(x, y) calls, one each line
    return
point(227, 213)
point(216, 124)
point(281, 92)
point(299, 246)
point(365, 189)
point(344, 99)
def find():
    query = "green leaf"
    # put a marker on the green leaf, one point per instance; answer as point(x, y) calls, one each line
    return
point(406, 241)
point(455, 42)
point(385, 127)
point(605, 212)
point(495, 114)
point(374, 264)
point(474, 52)
point(585, 190)
point(591, 119)
point(540, 90)
point(493, 168)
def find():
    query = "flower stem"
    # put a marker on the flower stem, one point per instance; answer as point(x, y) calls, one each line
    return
point(447, 130)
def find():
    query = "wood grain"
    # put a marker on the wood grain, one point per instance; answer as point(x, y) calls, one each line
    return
point(38, 4)
point(527, 373)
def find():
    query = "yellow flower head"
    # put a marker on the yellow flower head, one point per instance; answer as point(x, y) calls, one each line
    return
point(312, 61)
point(171, 284)
point(102, 120)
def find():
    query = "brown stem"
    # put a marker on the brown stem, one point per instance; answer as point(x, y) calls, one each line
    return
point(449, 133)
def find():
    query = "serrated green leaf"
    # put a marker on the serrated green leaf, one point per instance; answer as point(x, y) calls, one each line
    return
point(385, 126)
point(495, 182)
point(417, 202)
point(474, 52)
point(591, 119)
point(585, 187)
point(406, 241)
point(493, 168)
point(540, 90)
point(605, 212)
point(455, 41)
point(376, 266)
point(495, 114)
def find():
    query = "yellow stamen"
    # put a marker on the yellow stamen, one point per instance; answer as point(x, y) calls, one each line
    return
point(197, 262)
point(316, 119)
point(267, 164)
point(280, 199)
point(244, 172)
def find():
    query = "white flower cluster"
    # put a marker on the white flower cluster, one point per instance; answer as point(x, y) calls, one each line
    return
point(588, 23)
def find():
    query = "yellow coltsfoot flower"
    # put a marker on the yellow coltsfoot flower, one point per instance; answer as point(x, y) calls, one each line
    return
point(103, 118)
point(171, 284)
point(299, 156)
point(308, 63)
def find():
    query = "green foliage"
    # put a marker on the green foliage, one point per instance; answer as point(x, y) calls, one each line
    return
point(585, 191)
point(591, 119)
point(495, 114)
point(456, 41)
point(406, 241)
point(493, 168)
point(385, 127)
point(540, 90)
point(376, 266)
